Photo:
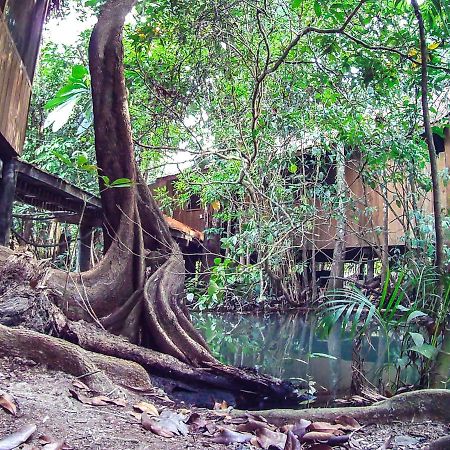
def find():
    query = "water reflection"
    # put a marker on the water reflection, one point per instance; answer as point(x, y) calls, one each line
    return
point(287, 346)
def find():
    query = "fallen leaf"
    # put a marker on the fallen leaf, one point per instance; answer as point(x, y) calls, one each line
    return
point(299, 428)
point(388, 443)
point(59, 445)
point(292, 443)
point(220, 406)
point(211, 428)
point(338, 440)
point(51, 443)
point(80, 385)
point(7, 402)
point(99, 400)
point(136, 415)
point(145, 407)
point(312, 436)
point(256, 417)
point(168, 424)
point(252, 425)
point(45, 439)
point(149, 423)
point(228, 437)
point(443, 442)
point(324, 427)
point(174, 422)
point(18, 437)
point(267, 438)
point(348, 423)
point(94, 401)
point(196, 422)
point(117, 401)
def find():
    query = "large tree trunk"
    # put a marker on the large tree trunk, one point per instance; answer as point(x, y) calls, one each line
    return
point(136, 289)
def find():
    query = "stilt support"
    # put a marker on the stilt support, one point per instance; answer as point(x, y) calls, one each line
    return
point(84, 247)
point(7, 193)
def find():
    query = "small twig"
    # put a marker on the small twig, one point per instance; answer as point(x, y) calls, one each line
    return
point(88, 374)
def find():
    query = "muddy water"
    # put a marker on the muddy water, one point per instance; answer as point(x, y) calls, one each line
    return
point(288, 346)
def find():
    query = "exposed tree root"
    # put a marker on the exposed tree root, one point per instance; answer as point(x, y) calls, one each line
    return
point(429, 404)
point(24, 302)
point(99, 372)
point(156, 363)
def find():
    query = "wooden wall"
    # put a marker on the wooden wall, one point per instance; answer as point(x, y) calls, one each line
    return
point(362, 226)
point(194, 218)
point(15, 94)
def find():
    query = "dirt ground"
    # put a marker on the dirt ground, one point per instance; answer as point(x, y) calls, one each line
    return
point(42, 397)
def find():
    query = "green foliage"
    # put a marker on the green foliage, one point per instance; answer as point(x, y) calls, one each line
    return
point(75, 91)
point(228, 283)
point(409, 304)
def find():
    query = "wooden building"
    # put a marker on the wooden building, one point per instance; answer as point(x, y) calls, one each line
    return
point(363, 227)
point(364, 220)
point(193, 214)
point(21, 23)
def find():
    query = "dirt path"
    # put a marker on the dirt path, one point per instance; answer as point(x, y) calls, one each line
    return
point(43, 398)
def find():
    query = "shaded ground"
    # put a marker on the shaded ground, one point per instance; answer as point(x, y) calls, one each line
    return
point(43, 398)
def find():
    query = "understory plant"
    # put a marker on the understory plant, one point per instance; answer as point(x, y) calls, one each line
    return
point(409, 314)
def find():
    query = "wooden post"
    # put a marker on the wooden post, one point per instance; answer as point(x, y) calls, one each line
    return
point(84, 247)
point(370, 269)
point(7, 193)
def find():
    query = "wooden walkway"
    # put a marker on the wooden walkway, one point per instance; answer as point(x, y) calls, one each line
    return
point(48, 192)
point(71, 204)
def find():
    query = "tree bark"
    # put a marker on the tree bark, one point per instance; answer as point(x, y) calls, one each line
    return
point(337, 266)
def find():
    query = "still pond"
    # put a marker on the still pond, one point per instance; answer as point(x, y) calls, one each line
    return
point(287, 346)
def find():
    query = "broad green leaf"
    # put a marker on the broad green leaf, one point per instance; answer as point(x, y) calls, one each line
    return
point(63, 158)
point(60, 115)
point(293, 168)
point(414, 315)
point(106, 180)
point(317, 9)
point(79, 71)
point(426, 350)
point(121, 182)
point(417, 338)
point(440, 131)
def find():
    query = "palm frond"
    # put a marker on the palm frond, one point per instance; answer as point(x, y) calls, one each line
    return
point(348, 306)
